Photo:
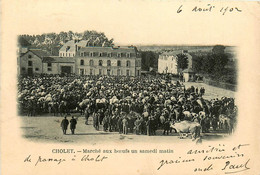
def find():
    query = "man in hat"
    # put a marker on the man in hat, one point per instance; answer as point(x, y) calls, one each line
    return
point(125, 125)
point(64, 125)
point(73, 123)
point(148, 126)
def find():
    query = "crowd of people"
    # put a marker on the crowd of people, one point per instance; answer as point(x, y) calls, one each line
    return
point(124, 104)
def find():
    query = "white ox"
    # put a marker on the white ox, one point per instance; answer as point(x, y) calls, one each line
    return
point(187, 127)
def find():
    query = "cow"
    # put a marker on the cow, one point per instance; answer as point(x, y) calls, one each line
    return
point(185, 127)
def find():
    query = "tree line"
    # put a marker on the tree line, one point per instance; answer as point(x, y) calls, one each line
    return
point(48, 41)
point(216, 65)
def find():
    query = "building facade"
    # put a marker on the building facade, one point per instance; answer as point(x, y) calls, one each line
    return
point(167, 62)
point(31, 62)
point(114, 61)
point(70, 48)
point(58, 65)
point(117, 61)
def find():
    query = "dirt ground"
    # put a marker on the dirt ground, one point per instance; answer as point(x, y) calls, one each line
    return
point(47, 128)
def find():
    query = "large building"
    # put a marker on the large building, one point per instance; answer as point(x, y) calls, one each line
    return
point(82, 59)
point(124, 61)
point(167, 62)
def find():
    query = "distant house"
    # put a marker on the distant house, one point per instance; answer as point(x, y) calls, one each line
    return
point(31, 62)
point(167, 62)
point(188, 74)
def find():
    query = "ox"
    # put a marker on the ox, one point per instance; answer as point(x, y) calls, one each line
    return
point(185, 127)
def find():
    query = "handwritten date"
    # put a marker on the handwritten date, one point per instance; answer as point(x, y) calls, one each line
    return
point(211, 8)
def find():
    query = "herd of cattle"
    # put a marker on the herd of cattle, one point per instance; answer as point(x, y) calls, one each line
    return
point(139, 105)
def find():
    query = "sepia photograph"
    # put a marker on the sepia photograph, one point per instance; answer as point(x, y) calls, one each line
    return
point(100, 91)
point(129, 87)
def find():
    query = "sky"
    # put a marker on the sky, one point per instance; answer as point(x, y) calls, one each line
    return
point(134, 22)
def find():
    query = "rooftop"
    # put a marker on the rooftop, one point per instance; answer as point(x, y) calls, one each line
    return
point(39, 52)
point(56, 59)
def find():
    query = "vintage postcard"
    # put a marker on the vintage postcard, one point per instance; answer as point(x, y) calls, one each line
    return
point(130, 87)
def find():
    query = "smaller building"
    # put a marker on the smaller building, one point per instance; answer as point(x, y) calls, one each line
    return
point(188, 74)
point(58, 65)
point(31, 62)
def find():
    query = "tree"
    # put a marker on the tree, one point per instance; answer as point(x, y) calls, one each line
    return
point(149, 59)
point(23, 42)
point(218, 49)
point(197, 63)
point(48, 41)
point(182, 61)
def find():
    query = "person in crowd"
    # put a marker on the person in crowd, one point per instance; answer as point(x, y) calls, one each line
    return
point(125, 125)
point(73, 123)
point(157, 97)
point(64, 125)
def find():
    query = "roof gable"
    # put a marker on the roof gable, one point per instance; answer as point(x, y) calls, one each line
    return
point(38, 52)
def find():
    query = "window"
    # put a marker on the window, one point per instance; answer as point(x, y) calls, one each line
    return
point(118, 72)
point(119, 55)
point(91, 62)
point(127, 72)
point(118, 63)
point(23, 68)
point(85, 53)
point(128, 55)
point(29, 56)
point(82, 54)
point(109, 54)
point(108, 71)
point(138, 63)
point(138, 72)
point(108, 63)
point(29, 63)
point(91, 54)
point(100, 54)
point(81, 71)
point(36, 69)
point(49, 69)
point(91, 72)
point(49, 64)
point(100, 62)
point(128, 63)
point(81, 62)
point(100, 71)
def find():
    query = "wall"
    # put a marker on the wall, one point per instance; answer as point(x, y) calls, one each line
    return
point(220, 84)
point(167, 62)
point(133, 69)
point(36, 63)
point(56, 68)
